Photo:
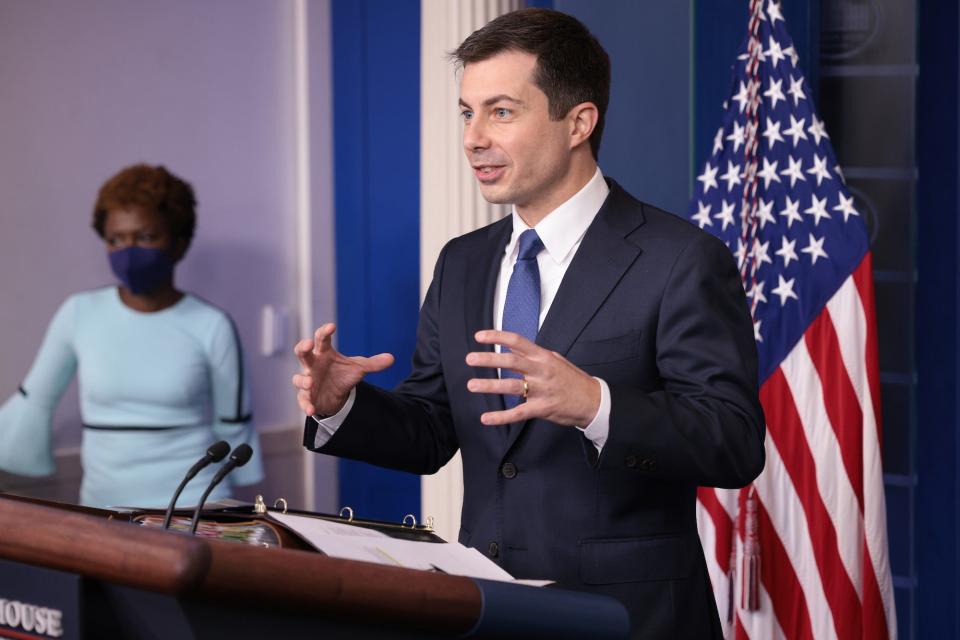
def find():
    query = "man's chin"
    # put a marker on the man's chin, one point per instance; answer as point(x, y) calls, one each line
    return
point(495, 194)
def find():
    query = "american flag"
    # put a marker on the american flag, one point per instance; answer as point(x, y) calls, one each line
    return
point(802, 552)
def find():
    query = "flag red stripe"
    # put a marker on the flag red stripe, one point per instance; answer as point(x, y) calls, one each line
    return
point(786, 430)
point(722, 525)
point(863, 277)
point(839, 397)
point(781, 582)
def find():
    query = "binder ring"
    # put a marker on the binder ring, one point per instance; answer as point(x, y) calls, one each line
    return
point(349, 514)
point(278, 502)
point(430, 523)
point(410, 521)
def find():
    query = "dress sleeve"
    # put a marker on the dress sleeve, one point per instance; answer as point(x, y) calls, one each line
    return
point(26, 418)
point(232, 418)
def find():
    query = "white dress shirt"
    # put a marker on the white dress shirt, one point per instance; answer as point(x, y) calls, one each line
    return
point(561, 232)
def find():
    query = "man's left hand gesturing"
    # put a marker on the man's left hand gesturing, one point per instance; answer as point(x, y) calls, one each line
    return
point(556, 390)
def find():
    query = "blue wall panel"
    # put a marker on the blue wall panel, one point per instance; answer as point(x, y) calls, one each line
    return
point(937, 298)
point(376, 77)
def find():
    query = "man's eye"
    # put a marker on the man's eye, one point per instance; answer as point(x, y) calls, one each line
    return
point(147, 237)
point(502, 112)
point(466, 115)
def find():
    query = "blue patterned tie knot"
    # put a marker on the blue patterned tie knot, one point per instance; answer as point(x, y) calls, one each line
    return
point(530, 246)
point(521, 309)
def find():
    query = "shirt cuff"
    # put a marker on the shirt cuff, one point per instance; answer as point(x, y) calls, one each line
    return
point(599, 428)
point(329, 425)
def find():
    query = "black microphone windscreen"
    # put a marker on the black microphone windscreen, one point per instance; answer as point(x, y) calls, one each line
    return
point(242, 454)
point(218, 451)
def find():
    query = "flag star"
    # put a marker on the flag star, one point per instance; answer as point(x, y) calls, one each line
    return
point(772, 132)
point(816, 129)
point(732, 176)
point(794, 171)
point(756, 330)
point(763, 213)
point(709, 177)
point(769, 172)
point(775, 93)
point(796, 130)
point(836, 170)
point(773, 10)
point(742, 96)
point(815, 249)
point(846, 206)
point(785, 289)
point(756, 292)
point(774, 52)
point(792, 212)
point(787, 251)
point(794, 56)
point(760, 252)
point(726, 214)
point(718, 141)
point(818, 209)
point(796, 90)
point(737, 137)
point(819, 168)
point(740, 253)
point(702, 216)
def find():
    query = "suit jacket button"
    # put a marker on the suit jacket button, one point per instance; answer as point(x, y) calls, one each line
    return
point(651, 465)
point(630, 461)
point(509, 470)
point(493, 550)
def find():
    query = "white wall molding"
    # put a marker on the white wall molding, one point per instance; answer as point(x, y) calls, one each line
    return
point(450, 201)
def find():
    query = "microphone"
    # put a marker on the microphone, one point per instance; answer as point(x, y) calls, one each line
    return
point(240, 456)
point(217, 452)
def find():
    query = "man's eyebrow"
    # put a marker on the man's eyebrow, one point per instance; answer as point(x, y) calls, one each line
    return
point(494, 100)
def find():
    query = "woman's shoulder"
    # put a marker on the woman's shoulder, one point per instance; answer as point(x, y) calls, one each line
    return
point(202, 311)
point(99, 299)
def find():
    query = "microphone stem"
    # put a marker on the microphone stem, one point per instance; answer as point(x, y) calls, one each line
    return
point(173, 501)
point(216, 480)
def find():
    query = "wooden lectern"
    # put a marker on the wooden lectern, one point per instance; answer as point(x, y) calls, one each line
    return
point(67, 573)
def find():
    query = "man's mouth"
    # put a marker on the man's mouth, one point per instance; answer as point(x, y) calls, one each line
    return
point(488, 173)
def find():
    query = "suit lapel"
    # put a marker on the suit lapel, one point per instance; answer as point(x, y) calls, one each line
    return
point(604, 256)
point(481, 287)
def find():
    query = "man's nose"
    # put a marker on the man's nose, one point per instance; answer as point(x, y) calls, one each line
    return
point(475, 136)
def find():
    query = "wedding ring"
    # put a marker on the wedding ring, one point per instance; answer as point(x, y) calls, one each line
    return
point(526, 388)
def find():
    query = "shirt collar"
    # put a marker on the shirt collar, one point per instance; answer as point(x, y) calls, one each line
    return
point(561, 229)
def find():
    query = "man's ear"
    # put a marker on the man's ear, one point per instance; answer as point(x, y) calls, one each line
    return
point(583, 120)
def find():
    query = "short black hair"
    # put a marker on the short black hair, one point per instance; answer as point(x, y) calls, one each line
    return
point(153, 189)
point(572, 67)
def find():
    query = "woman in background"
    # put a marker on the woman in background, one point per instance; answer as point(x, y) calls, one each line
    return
point(160, 371)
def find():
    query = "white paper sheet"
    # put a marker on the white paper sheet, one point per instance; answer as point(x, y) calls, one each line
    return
point(359, 543)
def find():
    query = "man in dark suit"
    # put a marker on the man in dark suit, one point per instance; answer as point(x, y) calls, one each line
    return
point(591, 356)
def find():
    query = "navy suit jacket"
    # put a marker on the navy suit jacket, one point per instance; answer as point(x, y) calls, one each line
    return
point(655, 307)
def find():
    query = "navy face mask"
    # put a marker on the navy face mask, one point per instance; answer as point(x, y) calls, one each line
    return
point(141, 269)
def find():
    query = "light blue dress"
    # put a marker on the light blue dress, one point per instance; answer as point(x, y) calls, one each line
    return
point(156, 389)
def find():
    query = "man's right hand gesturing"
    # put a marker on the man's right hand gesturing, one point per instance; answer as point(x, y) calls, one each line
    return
point(328, 376)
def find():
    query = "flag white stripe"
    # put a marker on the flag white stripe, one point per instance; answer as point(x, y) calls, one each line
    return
point(852, 336)
point(833, 483)
point(718, 579)
point(775, 490)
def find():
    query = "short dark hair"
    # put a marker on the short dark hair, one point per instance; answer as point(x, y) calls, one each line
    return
point(153, 189)
point(572, 67)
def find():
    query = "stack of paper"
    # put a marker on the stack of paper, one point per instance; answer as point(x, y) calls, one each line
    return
point(359, 543)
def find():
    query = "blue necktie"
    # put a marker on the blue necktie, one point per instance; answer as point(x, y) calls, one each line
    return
point(521, 310)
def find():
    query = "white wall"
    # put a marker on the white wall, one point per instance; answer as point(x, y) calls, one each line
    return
point(206, 88)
